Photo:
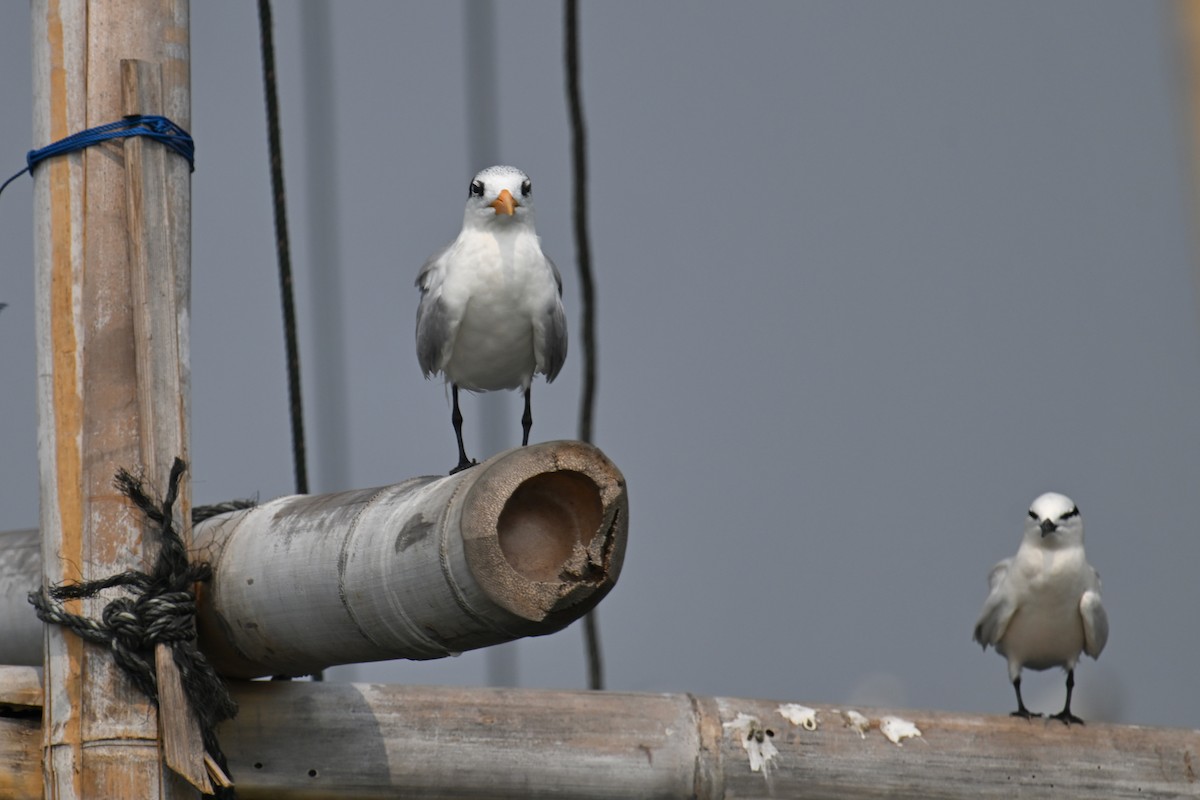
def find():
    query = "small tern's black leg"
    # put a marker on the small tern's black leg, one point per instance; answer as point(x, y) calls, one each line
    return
point(1065, 716)
point(1021, 711)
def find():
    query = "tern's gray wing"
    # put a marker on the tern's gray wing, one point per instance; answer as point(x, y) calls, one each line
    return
point(434, 334)
point(998, 609)
point(552, 331)
point(557, 274)
point(1095, 620)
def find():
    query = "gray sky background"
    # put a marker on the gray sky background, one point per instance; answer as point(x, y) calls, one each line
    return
point(871, 277)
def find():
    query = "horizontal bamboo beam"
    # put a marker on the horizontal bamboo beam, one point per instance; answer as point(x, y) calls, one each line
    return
point(20, 688)
point(521, 545)
point(331, 740)
point(20, 573)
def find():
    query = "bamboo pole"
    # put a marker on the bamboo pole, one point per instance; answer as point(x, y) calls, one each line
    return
point(20, 573)
point(100, 737)
point(160, 323)
point(349, 741)
point(521, 545)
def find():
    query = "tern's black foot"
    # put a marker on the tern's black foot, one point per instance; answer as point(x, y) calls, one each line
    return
point(1067, 718)
point(1024, 713)
point(463, 465)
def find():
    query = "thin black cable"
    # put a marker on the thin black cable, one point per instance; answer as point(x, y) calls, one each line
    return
point(583, 249)
point(583, 258)
point(299, 457)
point(291, 340)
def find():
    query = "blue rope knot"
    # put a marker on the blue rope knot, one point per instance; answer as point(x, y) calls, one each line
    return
point(156, 127)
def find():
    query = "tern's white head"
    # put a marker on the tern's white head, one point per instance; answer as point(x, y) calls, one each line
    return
point(499, 196)
point(1054, 522)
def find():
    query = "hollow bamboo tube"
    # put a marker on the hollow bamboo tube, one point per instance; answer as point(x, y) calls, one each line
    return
point(520, 545)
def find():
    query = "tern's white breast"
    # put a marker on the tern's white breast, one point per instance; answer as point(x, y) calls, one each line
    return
point(496, 284)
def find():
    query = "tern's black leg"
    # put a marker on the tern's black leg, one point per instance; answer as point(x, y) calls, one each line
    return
point(1065, 716)
point(456, 419)
point(1021, 711)
point(526, 421)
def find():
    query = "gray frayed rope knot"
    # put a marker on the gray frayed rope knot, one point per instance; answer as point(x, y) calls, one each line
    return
point(160, 609)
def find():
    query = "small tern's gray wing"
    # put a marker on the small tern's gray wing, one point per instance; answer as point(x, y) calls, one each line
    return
point(998, 573)
point(998, 609)
point(434, 330)
point(550, 333)
point(1095, 624)
point(1095, 620)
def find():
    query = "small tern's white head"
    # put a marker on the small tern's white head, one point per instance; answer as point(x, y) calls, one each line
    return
point(499, 196)
point(1054, 521)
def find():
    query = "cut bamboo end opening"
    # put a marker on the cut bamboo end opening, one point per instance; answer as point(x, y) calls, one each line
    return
point(545, 520)
point(544, 530)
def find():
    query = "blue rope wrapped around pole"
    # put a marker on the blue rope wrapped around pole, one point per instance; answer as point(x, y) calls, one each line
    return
point(156, 127)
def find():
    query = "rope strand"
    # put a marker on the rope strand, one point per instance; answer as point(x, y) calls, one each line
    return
point(583, 257)
point(291, 339)
point(299, 456)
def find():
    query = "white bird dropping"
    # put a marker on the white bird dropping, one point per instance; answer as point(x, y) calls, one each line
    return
point(800, 715)
point(857, 721)
point(491, 313)
point(896, 728)
point(1044, 607)
point(756, 741)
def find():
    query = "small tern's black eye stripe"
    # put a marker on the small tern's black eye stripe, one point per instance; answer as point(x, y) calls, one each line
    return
point(526, 188)
point(1074, 512)
point(1032, 514)
point(477, 188)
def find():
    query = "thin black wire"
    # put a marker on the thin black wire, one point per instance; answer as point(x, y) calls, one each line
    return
point(583, 258)
point(295, 398)
point(299, 456)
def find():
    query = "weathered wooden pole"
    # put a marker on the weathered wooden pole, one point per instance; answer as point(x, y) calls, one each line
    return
point(157, 193)
point(349, 741)
point(100, 734)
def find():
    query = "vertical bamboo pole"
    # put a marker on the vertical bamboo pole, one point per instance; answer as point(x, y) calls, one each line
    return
point(99, 734)
point(158, 320)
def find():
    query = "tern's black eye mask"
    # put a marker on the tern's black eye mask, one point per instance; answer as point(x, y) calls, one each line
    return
point(476, 189)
